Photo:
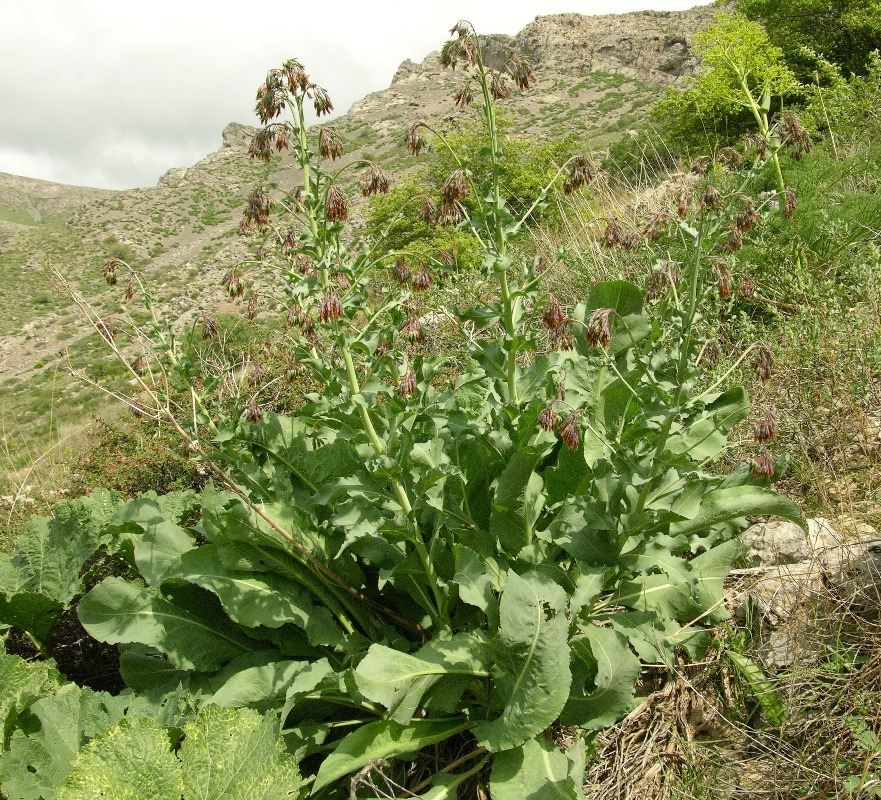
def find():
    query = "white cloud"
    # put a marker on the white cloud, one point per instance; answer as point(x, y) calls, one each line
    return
point(110, 93)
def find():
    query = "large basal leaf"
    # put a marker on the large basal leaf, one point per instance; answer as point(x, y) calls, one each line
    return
point(50, 555)
point(266, 687)
point(132, 761)
point(399, 680)
point(32, 612)
point(531, 675)
point(254, 599)
point(536, 771)
point(734, 502)
point(22, 683)
point(602, 655)
point(160, 543)
point(383, 739)
point(517, 503)
point(119, 612)
point(236, 754)
point(37, 763)
point(226, 754)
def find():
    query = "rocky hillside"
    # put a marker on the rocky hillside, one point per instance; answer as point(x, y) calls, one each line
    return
point(596, 76)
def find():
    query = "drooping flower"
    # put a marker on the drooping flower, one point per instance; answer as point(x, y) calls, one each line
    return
point(569, 431)
point(407, 386)
point(763, 464)
point(336, 206)
point(553, 316)
point(599, 329)
point(581, 173)
point(422, 279)
point(330, 144)
point(209, 327)
point(331, 308)
point(374, 181)
point(548, 418)
point(766, 426)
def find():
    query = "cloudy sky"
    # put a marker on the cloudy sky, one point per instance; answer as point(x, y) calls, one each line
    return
point(112, 93)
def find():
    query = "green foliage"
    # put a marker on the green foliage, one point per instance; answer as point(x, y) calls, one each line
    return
point(47, 569)
point(842, 31)
point(403, 567)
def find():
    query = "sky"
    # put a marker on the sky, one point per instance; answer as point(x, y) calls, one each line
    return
point(112, 93)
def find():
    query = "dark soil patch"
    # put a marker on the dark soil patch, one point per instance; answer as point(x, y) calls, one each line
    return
point(80, 658)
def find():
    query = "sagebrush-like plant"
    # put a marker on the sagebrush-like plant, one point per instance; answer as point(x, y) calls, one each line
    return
point(408, 567)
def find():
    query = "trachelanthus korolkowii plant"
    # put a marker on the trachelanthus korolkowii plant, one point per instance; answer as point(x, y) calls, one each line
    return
point(424, 579)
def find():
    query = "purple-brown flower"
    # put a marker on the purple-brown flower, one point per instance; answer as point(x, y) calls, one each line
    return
point(374, 181)
point(763, 464)
point(209, 327)
point(414, 142)
point(764, 362)
point(599, 329)
point(553, 316)
point(581, 173)
point(330, 144)
point(548, 418)
point(331, 308)
point(569, 431)
point(766, 426)
point(336, 206)
point(407, 386)
point(422, 279)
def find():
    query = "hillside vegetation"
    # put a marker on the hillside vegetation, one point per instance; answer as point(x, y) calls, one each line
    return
point(439, 426)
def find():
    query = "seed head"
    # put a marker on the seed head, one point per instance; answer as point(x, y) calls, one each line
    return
point(257, 374)
point(428, 210)
point(630, 241)
point(209, 327)
point(562, 338)
point(256, 213)
point(657, 226)
point(253, 413)
point(746, 288)
point(794, 135)
point(234, 283)
point(613, 234)
point(553, 316)
point(789, 204)
point(130, 287)
point(296, 314)
point(730, 156)
point(498, 87)
point(463, 48)
point(407, 386)
point(412, 330)
point(271, 97)
point(732, 242)
point(724, 281)
point(711, 198)
point(414, 142)
point(295, 75)
point(766, 426)
point(763, 363)
point(422, 279)
point(401, 271)
point(520, 68)
point(747, 216)
point(455, 188)
point(702, 165)
point(449, 213)
point(320, 100)
point(330, 144)
point(763, 464)
point(111, 271)
point(570, 432)
point(336, 206)
point(464, 95)
point(682, 202)
point(331, 308)
point(374, 181)
point(548, 419)
point(599, 329)
point(253, 306)
point(581, 173)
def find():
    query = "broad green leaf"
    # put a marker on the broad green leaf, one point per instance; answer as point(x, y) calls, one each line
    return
point(32, 612)
point(622, 296)
point(722, 505)
point(22, 683)
point(159, 548)
point(37, 763)
point(132, 761)
point(517, 503)
point(119, 612)
point(477, 578)
point(50, 555)
point(537, 770)
point(382, 739)
point(399, 680)
point(446, 786)
point(531, 674)
point(236, 754)
point(254, 599)
point(603, 652)
point(266, 687)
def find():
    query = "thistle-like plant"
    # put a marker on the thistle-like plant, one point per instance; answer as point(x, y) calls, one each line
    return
point(408, 568)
